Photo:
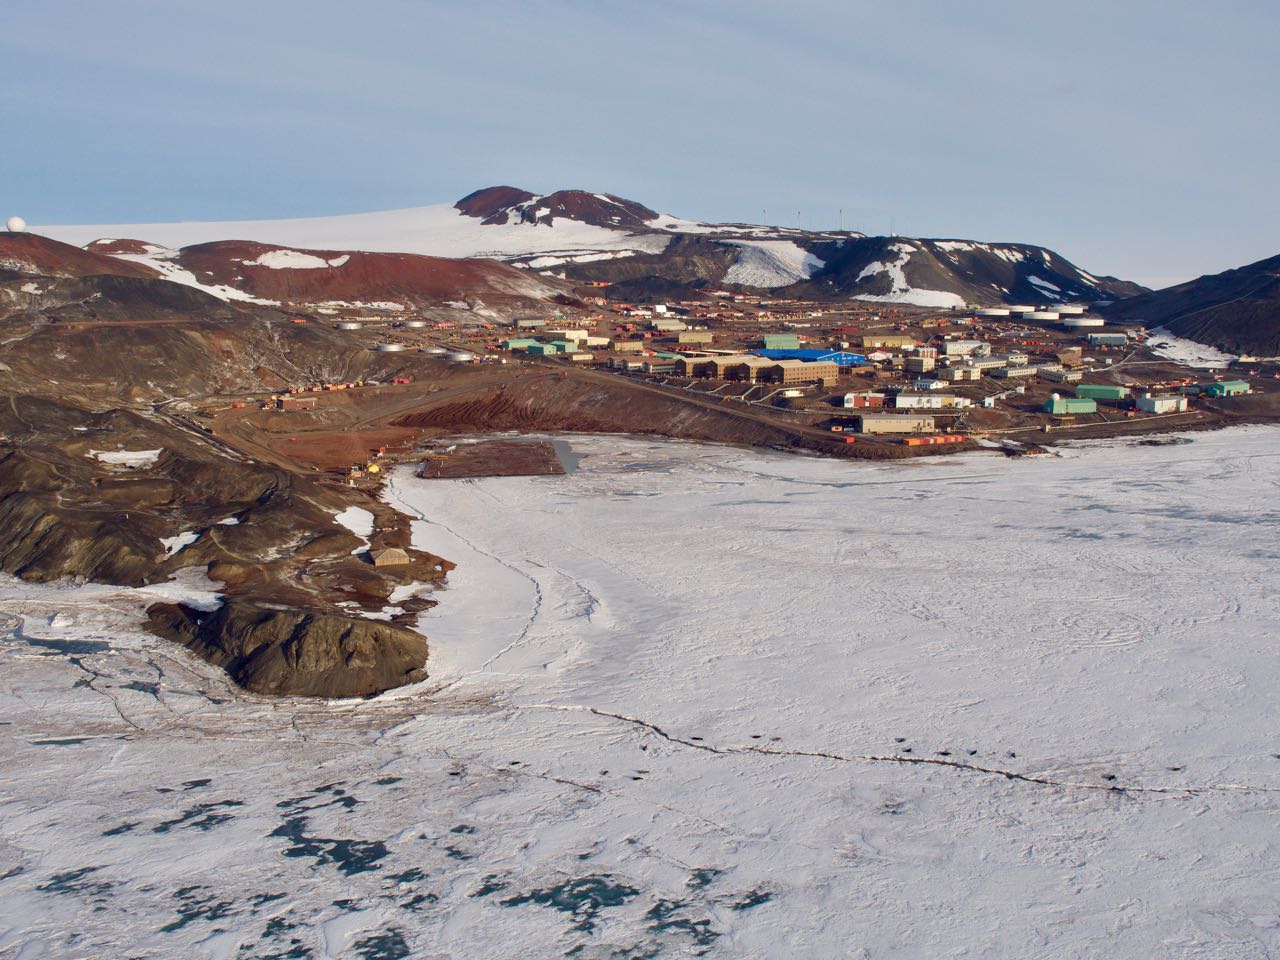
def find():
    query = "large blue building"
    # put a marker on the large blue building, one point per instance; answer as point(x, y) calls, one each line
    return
point(833, 356)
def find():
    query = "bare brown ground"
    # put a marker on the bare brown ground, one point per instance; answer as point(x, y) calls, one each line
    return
point(494, 458)
point(337, 450)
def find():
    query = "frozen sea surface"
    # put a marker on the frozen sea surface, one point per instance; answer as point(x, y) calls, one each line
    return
point(699, 701)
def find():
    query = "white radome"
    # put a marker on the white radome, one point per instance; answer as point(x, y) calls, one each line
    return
point(15, 225)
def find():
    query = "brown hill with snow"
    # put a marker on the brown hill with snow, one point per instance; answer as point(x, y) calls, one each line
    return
point(498, 205)
point(271, 272)
point(30, 253)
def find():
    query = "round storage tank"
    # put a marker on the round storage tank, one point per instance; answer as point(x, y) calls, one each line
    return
point(1039, 315)
point(1075, 323)
point(435, 351)
point(461, 356)
point(1020, 307)
point(350, 325)
point(993, 312)
point(414, 324)
point(388, 347)
point(1074, 309)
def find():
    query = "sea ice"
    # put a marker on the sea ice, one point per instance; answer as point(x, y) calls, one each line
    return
point(697, 700)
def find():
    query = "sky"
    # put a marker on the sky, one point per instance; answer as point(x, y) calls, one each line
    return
point(1137, 138)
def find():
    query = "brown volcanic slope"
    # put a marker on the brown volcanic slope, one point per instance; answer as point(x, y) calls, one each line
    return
point(493, 204)
point(1236, 310)
point(33, 254)
point(124, 339)
point(511, 204)
point(361, 276)
point(284, 563)
point(114, 247)
point(603, 403)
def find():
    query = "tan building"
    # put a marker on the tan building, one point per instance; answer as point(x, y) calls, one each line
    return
point(742, 368)
point(696, 367)
point(1013, 373)
point(565, 334)
point(627, 346)
point(887, 341)
point(799, 371)
point(1062, 376)
point(695, 336)
point(895, 423)
point(389, 557)
point(959, 374)
point(921, 364)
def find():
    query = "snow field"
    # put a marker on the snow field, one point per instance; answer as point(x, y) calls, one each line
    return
point(696, 700)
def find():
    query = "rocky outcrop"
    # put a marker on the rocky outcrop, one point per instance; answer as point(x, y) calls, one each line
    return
point(45, 540)
point(293, 577)
point(296, 652)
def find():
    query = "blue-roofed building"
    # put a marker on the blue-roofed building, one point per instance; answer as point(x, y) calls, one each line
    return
point(838, 357)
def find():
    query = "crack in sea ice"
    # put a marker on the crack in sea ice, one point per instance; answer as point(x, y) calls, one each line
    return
point(902, 759)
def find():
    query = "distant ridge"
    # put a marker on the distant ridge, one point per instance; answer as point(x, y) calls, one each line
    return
point(1237, 310)
point(580, 235)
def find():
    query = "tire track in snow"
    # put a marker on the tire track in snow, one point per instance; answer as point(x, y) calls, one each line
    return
point(402, 504)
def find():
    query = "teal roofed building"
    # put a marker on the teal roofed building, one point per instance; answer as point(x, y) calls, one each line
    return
point(781, 341)
point(1060, 406)
point(1101, 391)
point(1226, 388)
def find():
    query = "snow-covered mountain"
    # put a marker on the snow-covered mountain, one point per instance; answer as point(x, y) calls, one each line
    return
point(584, 236)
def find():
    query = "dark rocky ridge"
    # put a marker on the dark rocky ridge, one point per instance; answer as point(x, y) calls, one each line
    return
point(296, 652)
point(1236, 310)
point(500, 205)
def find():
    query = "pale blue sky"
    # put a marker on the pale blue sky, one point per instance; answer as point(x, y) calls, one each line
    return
point(1136, 138)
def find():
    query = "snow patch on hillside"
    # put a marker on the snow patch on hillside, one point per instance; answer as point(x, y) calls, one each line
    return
point(1049, 290)
point(901, 291)
point(179, 542)
point(165, 264)
point(1189, 353)
point(358, 520)
point(294, 260)
point(771, 263)
point(128, 458)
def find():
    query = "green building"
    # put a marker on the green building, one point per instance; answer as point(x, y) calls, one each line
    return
point(1062, 405)
point(540, 349)
point(1226, 388)
point(781, 341)
point(523, 343)
point(564, 346)
point(1101, 391)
